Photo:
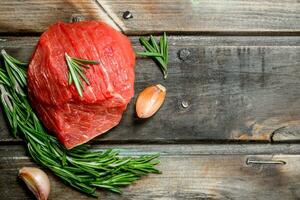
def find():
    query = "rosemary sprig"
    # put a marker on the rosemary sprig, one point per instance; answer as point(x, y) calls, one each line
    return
point(76, 71)
point(83, 168)
point(15, 72)
point(159, 52)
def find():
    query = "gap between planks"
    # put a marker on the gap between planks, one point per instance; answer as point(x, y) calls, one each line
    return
point(176, 149)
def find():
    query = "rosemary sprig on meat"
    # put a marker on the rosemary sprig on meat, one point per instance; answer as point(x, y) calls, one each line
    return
point(159, 52)
point(82, 168)
point(76, 71)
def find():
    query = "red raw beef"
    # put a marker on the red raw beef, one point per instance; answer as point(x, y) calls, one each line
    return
point(74, 119)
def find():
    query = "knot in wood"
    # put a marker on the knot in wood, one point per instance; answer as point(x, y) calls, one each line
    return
point(184, 54)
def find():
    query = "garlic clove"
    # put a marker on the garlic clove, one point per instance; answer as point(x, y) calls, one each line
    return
point(37, 181)
point(150, 100)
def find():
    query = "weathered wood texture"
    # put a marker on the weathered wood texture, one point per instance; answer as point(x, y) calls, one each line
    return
point(235, 16)
point(190, 16)
point(238, 88)
point(34, 16)
point(187, 174)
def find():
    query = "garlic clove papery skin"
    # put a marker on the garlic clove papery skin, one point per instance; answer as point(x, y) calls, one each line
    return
point(150, 100)
point(37, 181)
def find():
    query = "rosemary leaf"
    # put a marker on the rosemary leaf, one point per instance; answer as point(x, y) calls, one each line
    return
point(81, 74)
point(74, 76)
point(149, 54)
point(154, 44)
point(147, 45)
point(85, 62)
point(14, 122)
point(13, 59)
point(166, 48)
point(70, 79)
point(161, 45)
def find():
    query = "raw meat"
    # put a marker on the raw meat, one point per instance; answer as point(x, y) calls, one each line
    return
point(74, 119)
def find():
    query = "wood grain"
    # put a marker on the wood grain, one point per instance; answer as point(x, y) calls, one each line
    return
point(184, 16)
point(238, 88)
point(187, 174)
point(34, 16)
point(287, 133)
point(213, 16)
point(242, 88)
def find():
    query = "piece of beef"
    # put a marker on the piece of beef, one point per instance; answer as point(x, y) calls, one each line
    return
point(74, 119)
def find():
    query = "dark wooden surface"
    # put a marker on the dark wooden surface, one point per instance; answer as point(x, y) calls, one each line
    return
point(189, 172)
point(34, 16)
point(238, 88)
point(238, 67)
point(211, 16)
point(184, 16)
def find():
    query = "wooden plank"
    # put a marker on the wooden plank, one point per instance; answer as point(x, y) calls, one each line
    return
point(34, 16)
point(212, 16)
point(234, 16)
point(290, 132)
point(238, 88)
point(186, 175)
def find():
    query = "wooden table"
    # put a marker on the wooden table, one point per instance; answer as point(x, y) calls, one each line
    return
point(236, 63)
